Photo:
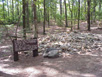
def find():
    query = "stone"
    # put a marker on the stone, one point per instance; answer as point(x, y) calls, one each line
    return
point(51, 53)
point(67, 42)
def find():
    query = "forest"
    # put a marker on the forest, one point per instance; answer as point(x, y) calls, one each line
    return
point(50, 38)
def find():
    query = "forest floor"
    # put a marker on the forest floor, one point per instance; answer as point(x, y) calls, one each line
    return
point(75, 65)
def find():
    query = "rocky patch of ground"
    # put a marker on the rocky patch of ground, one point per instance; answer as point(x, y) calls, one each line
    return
point(74, 42)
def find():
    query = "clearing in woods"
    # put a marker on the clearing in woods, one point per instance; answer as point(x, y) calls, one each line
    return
point(87, 64)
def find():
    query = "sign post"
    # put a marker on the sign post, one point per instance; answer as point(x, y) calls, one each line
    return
point(24, 45)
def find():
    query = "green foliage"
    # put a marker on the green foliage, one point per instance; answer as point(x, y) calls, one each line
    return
point(52, 8)
point(59, 20)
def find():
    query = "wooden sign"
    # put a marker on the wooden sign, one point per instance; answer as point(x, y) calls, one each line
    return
point(24, 45)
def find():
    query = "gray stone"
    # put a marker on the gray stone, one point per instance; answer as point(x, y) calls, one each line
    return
point(72, 42)
point(51, 53)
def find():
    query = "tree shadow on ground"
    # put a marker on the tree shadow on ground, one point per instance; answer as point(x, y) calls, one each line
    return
point(2, 74)
point(73, 65)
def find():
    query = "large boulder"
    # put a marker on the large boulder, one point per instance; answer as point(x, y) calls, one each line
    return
point(51, 53)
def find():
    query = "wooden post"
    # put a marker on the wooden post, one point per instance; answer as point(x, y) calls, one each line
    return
point(35, 53)
point(15, 53)
point(16, 58)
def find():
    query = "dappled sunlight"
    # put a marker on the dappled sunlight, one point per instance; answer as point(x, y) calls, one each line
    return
point(75, 73)
point(94, 28)
point(63, 66)
point(7, 46)
point(47, 63)
point(95, 53)
point(88, 75)
point(11, 71)
point(50, 71)
point(32, 70)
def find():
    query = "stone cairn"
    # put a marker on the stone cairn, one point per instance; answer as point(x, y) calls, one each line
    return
point(74, 42)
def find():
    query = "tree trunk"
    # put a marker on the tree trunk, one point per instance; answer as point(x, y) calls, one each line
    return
point(55, 12)
point(99, 9)
point(38, 13)
point(35, 20)
point(85, 11)
point(78, 13)
point(60, 11)
point(12, 10)
point(71, 21)
point(94, 10)
point(17, 8)
point(48, 19)
point(71, 10)
point(24, 24)
point(65, 13)
point(27, 14)
point(44, 19)
point(8, 7)
point(88, 14)
point(3, 10)
point(60, 7)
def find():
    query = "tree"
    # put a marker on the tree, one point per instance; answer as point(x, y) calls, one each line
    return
point(85, 9)
point(12, 10)
point(24, 23)
point(71, 10)
point(94, 10)
point(35, 20)
point(3, 9)
point(78, 13)
point(60, 11)
point(66, 13)
point(88, 14)
point(27, 14)
point(44, 18)
point(8, 7)
point(100, 4)
point(53, 11)
point(61, 7)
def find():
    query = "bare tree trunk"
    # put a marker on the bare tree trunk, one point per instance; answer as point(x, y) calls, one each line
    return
point(3, 10)
point(78, 14)
point(38, 13)
point(44, 18)
point(8, 7)
point(60, 7)
point(100, 3)
point(12, 10)
point(94, 10)
point(71, 21)
point(48, 17)
point(66, 13)
point(88, 14)
point(55, 12)
point(35, 21)
point(60, 11)
point(27, 14)
point(24, 24)
point(17, 7)
point(71, 10)
point(85, 10)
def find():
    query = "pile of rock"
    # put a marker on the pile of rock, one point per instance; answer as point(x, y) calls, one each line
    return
point(73, 42)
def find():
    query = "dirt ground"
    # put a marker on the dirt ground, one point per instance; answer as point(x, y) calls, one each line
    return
point(76, 65)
